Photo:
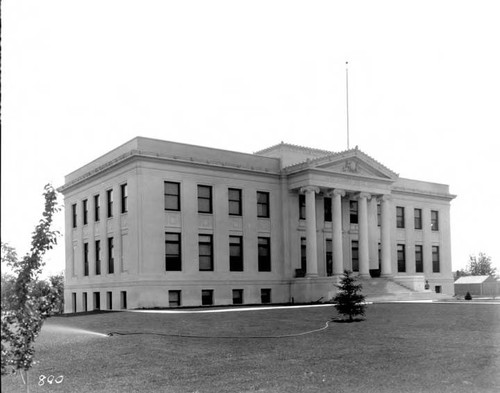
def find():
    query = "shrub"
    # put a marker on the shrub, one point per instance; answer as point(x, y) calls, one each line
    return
point(468, 296)
point(349, 300)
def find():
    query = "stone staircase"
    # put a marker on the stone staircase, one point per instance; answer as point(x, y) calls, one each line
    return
point(384, 289)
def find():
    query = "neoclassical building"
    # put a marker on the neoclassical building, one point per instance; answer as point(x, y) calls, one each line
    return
point(154, 223)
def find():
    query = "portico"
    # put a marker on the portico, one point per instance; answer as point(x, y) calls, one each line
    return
point(365, 234)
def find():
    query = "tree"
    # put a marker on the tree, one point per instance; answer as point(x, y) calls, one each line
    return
point(8, 283)
point(22, 323)
point(460, 273)
point(480, 265)
point(349, 301)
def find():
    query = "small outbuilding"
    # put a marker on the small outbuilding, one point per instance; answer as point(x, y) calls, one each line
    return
point(487, 286)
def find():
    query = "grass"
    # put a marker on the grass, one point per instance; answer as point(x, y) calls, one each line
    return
point(398, 348)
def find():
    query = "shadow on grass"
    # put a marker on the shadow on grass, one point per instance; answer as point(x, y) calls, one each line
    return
point(341, 320)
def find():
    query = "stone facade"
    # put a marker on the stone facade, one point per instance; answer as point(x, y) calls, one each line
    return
point(163, 224)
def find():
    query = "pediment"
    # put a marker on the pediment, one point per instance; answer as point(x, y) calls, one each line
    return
point(351, 162)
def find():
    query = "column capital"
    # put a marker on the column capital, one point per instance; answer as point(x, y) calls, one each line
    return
point(307, 189)
point(336, 191)
point(363, 195)
point(384, 197)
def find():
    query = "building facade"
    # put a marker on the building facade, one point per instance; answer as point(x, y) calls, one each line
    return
point(163, 224)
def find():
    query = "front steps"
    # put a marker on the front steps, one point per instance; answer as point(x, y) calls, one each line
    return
point(384, 289)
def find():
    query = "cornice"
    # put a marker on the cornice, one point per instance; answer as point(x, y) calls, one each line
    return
point(423, 194)
point(138, 154)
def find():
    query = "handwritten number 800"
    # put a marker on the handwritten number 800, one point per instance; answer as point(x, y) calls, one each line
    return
point(50, 379)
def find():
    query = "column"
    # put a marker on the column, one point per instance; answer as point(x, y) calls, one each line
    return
point(338, 254)
point(386, 236)
point(373, 233)
point(312, 252)
point(364, 251)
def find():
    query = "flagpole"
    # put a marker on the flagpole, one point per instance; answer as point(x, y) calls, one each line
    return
point(347, 100)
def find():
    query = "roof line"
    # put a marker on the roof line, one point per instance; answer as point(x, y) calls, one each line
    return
point(296, 147)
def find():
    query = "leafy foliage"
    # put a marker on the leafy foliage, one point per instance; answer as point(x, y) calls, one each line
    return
point(28, 301)
point(349, 301)
point(52, 289)
point(480, 265)
point(477, 266)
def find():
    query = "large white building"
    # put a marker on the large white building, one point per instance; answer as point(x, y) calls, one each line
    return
point(162, 224)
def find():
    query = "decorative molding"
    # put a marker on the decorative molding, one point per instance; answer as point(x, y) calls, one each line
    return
point(384, 198)
point(306, 189)
point(350, 166)
point(336, 191)
point(173, 219)
point(336, 157)
point(363, 195)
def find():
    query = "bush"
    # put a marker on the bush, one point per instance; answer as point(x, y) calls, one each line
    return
point(468, 296)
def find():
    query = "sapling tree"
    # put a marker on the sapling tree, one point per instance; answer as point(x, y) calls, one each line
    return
point(21, 323)
point(349, 301)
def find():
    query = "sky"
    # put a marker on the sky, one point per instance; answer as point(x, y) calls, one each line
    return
point(80, 78)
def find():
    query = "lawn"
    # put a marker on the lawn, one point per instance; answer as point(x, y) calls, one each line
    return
point(398, 348)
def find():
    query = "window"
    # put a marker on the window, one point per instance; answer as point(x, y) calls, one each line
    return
point(109, 195)
point(302, 207)
point(303, 255)
point(73, 215)
point(73, 300)
point(97, 208)
point(327, 204)
point(353, 209)
point(237, 296)
point(435, 259)
point(264, 254)
point(401, 258)
point(236, 253)
point(85, 208)
point(97, 257)
point(418, 218)
point(206, 256)
point(173, 259)
point(123, 300)
point(355, 256)
point(419, 259)
point(172, 195)
point(265, 295)
point(379, 214)
point(207, 297)
point(329, 257)
point(262, 204)
point(434, 220)
point(400, 217)
point(84, 301)
point(204, 199)
point(437, 288)
point(174, 298)
point(109, 300)
point(85, 259)
point(124, 198)
point(234, 202)
point(97, 301)
point(111, 256)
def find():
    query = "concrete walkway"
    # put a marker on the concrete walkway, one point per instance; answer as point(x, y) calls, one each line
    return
point(233, 309)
